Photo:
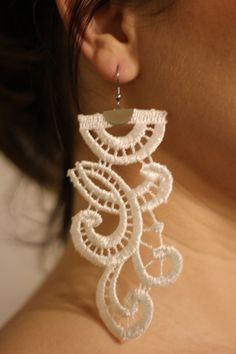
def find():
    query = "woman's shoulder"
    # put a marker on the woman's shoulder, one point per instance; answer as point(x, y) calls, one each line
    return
point(44, 331)
point(48, 330)
point(62, 331)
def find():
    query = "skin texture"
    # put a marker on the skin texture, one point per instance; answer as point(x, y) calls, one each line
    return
point(181, 60)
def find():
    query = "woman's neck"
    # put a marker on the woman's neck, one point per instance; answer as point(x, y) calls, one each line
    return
point(197, 219)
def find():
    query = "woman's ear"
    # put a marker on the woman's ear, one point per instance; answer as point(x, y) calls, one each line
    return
point(110, 41)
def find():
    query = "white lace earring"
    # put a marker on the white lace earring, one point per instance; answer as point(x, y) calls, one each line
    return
point(133, 317)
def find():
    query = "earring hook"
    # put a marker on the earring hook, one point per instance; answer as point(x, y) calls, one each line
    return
point(117, 115)
point(118, 89)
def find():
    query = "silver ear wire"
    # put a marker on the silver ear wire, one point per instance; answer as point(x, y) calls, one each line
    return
point(118, 90)
point(117, 115)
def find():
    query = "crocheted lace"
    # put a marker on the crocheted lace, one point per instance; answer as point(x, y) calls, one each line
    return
point(116, 197)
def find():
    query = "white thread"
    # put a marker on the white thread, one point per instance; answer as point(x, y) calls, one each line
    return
point(117, 198)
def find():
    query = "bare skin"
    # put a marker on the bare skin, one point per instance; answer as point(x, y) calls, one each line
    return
point(183, 61)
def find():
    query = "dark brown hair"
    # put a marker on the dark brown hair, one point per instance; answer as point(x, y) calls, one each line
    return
point(38, 63)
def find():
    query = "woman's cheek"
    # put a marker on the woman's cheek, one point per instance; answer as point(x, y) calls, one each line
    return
point(217, 17)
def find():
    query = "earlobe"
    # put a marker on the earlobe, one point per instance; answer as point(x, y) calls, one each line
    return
point(109, 41)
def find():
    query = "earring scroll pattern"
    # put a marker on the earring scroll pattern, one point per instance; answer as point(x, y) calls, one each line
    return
point(133, 317)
